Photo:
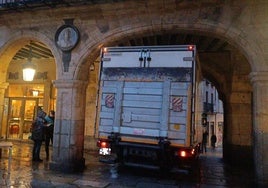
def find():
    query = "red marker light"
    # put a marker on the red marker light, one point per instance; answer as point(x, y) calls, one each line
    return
point(104, 50)
point(103, 145)
point(190, 47)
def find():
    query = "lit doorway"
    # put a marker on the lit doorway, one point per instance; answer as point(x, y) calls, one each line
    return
point(21, 113)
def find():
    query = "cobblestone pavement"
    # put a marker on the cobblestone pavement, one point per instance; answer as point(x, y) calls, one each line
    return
point(25, 173)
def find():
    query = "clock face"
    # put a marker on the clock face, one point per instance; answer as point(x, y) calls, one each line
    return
point(67, 37)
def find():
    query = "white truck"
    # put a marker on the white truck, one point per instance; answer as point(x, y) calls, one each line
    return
point(147, 106)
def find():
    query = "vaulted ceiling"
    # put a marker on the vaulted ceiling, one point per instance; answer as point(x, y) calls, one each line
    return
point(203, 43)
point(34, 50)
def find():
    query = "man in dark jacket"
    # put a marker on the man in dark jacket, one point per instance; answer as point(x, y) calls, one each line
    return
point(204, 141)
point(38, 134)
point(213, 141)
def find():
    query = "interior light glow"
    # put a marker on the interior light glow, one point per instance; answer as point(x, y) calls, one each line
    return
point(28, 68)
point(35, 93)
point(28, 73)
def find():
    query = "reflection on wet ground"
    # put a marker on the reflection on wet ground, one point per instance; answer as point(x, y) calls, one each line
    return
point(213, 172)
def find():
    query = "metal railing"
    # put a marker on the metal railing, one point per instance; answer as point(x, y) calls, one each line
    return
point(7, 5)
point(208, 107)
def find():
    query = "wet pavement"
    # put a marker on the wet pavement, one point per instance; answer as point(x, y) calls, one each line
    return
point(212, 172)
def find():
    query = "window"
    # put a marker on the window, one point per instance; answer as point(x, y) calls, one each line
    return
point(25, 90)
point(212, 98)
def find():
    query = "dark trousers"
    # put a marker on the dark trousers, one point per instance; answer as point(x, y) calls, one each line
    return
point(204, 146)
point(213, 145)
point(36, 149)
point(47, 142)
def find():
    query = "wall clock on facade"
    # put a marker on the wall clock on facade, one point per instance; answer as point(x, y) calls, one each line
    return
point(67, 37)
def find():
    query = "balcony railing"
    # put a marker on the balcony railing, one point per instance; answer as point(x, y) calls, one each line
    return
point(22, 5)
point(208, 107)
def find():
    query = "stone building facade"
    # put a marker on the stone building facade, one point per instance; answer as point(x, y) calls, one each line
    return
point(240, 75)
point(213, 111)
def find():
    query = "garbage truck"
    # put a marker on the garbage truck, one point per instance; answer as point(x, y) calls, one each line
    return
point(147, 106)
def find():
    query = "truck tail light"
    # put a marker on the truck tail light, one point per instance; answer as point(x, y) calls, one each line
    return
point(182, 153)
point(186, 153)
point(103, 144)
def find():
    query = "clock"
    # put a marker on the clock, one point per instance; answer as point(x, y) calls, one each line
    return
point(67, 37)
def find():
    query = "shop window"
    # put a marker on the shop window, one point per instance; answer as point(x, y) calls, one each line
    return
point(25, 90)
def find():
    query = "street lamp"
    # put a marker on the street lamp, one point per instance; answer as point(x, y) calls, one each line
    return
point(92, 67)
point(28, 68)
point(204, 119)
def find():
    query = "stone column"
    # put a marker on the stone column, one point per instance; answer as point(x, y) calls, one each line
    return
point(238, 128)
point(68, 141)
point(47, 97)
point(260, 125)
point(3, 87)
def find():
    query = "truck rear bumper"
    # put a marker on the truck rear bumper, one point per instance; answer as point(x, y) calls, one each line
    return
point(151, 156)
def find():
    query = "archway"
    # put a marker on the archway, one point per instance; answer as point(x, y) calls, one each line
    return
point(229, 71)
point(20, 98)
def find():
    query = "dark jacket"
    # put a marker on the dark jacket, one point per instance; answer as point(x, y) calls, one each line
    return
point(213, 139)
point(38, 127)
point(205, 137)
point(49, 128)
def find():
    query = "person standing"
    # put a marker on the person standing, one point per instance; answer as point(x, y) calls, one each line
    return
point(38, 134)
point(204, 141)
point(49, 129)
point(213, 141)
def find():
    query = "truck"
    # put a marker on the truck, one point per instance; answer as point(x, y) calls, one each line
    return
point(147, 107)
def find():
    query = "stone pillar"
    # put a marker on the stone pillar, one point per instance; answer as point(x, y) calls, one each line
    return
point(260, 125)
point(68, 141)
point(237, 141)
point(47, 96)
point(238, 128)
point(3, 87)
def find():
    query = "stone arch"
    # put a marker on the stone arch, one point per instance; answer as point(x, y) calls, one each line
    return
point(247, 45)
point(244, 45)
point(18, 40)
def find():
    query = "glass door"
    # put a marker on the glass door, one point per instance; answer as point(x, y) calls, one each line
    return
point(14, 120)
point(21, 115)
point(28, 116)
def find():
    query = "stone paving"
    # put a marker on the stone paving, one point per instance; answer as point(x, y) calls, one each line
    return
point(215, 173)
point(25, 173)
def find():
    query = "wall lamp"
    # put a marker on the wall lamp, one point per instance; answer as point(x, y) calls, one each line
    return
point(35, 93)
point(92, 67)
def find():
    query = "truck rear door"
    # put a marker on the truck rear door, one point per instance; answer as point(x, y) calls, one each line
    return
point(144, 100)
